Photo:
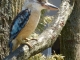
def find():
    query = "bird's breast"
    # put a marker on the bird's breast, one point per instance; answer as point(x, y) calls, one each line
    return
point(30, 25)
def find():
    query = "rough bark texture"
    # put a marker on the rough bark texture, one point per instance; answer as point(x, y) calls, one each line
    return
point(70, 39)
point(48, 37)
point(8, 10)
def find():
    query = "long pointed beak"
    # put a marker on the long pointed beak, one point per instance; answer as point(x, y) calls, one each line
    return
point(50, 6)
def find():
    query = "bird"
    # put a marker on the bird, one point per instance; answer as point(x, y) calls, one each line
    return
point(26, 21)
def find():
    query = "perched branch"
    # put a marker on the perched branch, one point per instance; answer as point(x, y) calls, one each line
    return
point(48, 37)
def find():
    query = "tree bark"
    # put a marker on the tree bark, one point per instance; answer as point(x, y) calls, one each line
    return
point(8, 10)
point(48, 37)
point(70, 39)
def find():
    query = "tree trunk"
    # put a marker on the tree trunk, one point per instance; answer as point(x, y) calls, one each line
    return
point(70, 37)
point(8, 10)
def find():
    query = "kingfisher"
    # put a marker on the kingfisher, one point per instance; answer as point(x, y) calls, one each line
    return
point(26, 22)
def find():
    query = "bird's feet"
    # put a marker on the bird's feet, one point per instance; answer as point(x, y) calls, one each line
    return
point(30, 39)
point(25, 41)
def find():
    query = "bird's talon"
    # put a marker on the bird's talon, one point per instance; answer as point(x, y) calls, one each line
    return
point(29, 45)
point(30, 39)
point(34, 39)
point(27, 39)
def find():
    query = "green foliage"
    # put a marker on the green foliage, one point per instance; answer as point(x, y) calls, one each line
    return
point(43, 57)
point(44, 22)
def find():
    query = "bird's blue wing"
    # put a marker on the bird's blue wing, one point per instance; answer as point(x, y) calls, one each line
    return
point(18, 23)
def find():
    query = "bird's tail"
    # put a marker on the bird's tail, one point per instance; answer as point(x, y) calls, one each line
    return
point(10, 45)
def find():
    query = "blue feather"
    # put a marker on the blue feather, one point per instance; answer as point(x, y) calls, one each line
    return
point(18, 24)
point(10, 45)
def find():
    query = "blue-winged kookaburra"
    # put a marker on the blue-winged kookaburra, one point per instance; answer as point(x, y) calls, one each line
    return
point(26, 22)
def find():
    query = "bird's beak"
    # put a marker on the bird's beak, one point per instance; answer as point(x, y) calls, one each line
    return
point(50, 6)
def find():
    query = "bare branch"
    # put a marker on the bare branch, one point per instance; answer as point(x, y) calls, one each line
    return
point(48, 37)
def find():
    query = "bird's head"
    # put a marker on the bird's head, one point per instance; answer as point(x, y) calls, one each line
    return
point(41, 4)
point(44, 4)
